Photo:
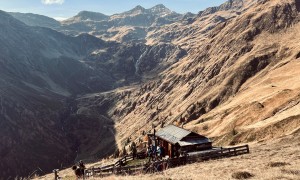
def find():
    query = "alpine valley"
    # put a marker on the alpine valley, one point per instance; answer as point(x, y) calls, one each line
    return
point(80, 88)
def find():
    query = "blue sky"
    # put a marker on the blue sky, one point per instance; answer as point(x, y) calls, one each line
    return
point(68, 8)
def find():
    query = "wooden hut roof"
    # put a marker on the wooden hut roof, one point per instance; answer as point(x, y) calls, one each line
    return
point(191, 142)
point(174, 134)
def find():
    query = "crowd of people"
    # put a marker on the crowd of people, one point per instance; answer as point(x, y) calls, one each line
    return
point(155, 152)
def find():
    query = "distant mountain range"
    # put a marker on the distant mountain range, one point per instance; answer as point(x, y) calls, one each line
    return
point(135, 23)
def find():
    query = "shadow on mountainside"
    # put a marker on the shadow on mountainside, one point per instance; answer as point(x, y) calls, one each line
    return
point(90, 130)
point(46, 134)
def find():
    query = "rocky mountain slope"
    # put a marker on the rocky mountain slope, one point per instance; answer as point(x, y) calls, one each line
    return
point(36, 20)
point(42, 71)
point(190, 31)
point(230, 73)
point(276, 159)
point(128, 26)
point(238, 84)
point(39, 69)
point(138, 19)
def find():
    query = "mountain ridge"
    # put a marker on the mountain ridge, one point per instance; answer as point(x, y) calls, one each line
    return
point(215, 73)
point(112, 28)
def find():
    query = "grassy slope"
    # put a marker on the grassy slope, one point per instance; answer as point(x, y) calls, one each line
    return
point(265, 108)
point(255, 93)
point(277, 159)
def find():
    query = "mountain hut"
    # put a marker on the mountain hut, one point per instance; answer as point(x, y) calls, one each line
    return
point(175, 140)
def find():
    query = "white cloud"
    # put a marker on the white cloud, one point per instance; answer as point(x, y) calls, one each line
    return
point(48, 2)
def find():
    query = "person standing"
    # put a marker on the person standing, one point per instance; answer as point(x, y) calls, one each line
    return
point(81, 167)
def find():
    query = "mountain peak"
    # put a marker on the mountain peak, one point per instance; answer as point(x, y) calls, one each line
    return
point(138, 8)
point(88, 15)
point(159, 6)
point(232, 4)
point(160, 9)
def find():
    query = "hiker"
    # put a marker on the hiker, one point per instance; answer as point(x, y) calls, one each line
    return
point(154, 151)
point(149, 151)
point(133, 149)
point(81, 167)
point(158, 151)
point(78, 172)
point(161, 152)
point(177, 152)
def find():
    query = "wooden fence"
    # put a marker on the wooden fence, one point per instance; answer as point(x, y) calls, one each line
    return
point(119, 168)
point(219, 153)
point(125, 159)
point(111, 169)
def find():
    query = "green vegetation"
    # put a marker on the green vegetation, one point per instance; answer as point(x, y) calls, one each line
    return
point(137, 162)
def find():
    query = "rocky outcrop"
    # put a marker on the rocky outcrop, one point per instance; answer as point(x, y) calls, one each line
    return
point(193, 28)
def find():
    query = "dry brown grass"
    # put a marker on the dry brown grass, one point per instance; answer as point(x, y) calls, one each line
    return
point(265, 108)
point(277, 164)
point(242, 175)
point(277, 159)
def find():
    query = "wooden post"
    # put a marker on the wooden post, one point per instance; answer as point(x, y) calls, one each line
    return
point(154, 144)
point(56, 177)
point(248, 151)
point(221, 151)
point(93, 171)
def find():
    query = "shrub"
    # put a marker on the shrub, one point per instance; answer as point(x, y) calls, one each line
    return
point(124, 152)
point(205, 127)
point(234, 132)
point(117, 153)
point(242, 175)
point(292, 172)
point(277, 164)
